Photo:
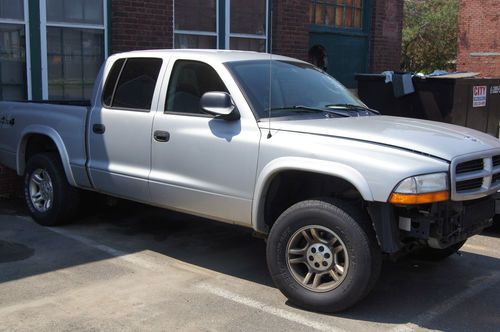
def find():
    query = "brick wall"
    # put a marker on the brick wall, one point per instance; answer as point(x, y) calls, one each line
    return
point(387, 25)
point(141, 24)
point(479, 37)
point(148, 24)
point(291, 28)
point(10, 183)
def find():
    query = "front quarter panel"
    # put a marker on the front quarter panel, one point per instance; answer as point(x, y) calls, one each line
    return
point(373, 169)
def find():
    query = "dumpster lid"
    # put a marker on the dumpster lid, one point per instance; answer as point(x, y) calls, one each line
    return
point(456, 75)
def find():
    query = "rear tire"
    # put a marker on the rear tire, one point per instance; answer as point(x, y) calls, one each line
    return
point(436, 255)
point(334, 265)
point(50, 199)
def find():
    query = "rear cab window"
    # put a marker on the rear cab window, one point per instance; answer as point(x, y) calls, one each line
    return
point(131, 83)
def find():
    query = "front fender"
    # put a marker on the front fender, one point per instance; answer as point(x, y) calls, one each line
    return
point(55, 137)
point(302, 164)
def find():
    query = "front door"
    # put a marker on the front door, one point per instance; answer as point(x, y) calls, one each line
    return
point(200, 164)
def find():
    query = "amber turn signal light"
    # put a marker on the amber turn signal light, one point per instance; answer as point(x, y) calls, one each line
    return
point(411, 199)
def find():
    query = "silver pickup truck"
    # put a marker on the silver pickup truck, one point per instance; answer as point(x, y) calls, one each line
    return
point(270, 143)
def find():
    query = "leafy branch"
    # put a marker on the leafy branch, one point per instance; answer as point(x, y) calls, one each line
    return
point(429, 35)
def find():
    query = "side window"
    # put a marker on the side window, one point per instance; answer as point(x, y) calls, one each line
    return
point(188, 82)
point(109, 87)
point(132, 85)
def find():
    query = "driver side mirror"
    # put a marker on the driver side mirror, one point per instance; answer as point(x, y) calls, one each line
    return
point(219, 104)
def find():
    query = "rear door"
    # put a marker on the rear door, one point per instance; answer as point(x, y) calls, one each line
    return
point(119, 131)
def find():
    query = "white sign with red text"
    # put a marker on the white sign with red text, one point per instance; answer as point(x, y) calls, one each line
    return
point(479, 96)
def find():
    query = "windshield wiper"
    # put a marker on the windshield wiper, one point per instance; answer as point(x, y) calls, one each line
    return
point(353, 107)
point(303, 108)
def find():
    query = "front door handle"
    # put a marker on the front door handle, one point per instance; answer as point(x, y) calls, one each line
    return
point(161, 136)
point(98, 128)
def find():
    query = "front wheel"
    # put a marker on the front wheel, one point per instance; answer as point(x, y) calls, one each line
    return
point(49, 197)
point(323, 255)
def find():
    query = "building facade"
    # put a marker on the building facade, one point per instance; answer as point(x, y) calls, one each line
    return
point(53, 49)
point(479, 37)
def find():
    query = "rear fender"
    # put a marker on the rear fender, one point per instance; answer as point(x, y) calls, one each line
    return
point(55, 137)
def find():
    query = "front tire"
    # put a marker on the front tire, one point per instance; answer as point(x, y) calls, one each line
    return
point(323, 255)
point(50, 199)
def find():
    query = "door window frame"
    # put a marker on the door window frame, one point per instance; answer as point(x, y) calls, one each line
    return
point(159, 80)
point(169, 82)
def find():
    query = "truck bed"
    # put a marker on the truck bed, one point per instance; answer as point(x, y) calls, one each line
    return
point(62, 121)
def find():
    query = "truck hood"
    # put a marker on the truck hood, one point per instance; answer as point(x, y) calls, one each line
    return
point(437, 139)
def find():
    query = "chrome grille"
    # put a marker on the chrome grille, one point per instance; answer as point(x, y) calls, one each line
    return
point(496, 178)
point(469, 184)
point(470, 166)
point(496, 161)
point(475, 176)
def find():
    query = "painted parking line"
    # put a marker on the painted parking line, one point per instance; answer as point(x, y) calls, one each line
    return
point(277, 312)
point(477, 286)
point(475, 247)
point(480, 285)
point(106, 249)
point(281, 313)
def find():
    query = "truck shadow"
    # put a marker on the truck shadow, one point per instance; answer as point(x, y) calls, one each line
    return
point(406, 288)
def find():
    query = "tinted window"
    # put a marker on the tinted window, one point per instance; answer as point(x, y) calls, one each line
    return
point(109, 87)
point(188, 82)
point(136, 84)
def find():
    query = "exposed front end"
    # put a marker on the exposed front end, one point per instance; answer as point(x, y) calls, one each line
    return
point(440, 210)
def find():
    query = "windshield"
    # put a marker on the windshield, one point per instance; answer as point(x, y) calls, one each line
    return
point(293, 84)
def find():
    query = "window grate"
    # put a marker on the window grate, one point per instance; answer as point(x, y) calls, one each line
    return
point(345, 14)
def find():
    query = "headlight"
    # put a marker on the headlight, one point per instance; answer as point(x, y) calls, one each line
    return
point(421, 189)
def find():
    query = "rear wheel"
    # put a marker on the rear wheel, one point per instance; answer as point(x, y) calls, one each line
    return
point(323, 256)
point(48, 195)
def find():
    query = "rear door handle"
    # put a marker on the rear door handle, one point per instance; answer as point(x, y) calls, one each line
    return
point(161, 136)
point(98, 128)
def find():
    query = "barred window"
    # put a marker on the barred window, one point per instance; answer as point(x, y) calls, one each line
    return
point(226, 24)
point(13, 80)
point(248, 25)
point(76, 47)
point(337, 13)
point(195, 24)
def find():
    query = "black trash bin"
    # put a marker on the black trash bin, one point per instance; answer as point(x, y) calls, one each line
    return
point(377, 94)
point(469, 102)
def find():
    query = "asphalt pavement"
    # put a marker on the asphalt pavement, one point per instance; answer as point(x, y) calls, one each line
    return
point(139, 268)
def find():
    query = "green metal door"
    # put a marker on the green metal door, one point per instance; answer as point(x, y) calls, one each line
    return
point(340, 29)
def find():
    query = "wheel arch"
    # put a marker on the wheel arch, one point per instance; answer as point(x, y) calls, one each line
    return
point(306, 165)
point(34, 131)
